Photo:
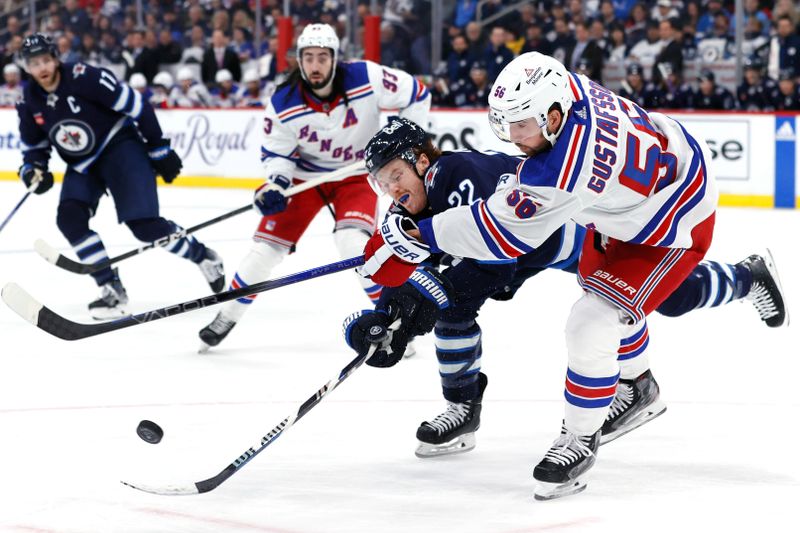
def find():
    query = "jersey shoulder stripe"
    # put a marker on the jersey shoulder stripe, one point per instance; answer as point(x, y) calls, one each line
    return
point(355, 75)
point(287, 100)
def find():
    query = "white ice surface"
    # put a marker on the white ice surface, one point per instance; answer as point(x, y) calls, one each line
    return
point(723, 457)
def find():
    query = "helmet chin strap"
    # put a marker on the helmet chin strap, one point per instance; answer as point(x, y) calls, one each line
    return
point(553, 137)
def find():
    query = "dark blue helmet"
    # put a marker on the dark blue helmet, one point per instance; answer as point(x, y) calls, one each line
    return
point(37, 44)
point(395, 140)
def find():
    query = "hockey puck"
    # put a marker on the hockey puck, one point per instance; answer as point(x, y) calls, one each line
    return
point(149, 432)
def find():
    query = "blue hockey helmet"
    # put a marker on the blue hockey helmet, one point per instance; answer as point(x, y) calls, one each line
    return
point(395, 140)
point(37, 44)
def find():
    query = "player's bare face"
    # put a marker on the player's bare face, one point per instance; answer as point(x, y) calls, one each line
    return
point(317, 64)
point(44, 69)
point(401, 182)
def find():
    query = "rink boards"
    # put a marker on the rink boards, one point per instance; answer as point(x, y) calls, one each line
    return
point(755, 154)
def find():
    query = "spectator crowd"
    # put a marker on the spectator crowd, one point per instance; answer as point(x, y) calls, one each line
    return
point(202, 53)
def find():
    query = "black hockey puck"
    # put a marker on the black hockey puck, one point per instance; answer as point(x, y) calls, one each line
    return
point(149, 432)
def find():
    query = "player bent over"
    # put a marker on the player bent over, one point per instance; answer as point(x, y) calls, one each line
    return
point(111, 141)
point(636, 181)
point(318, 121)
point(422, 181)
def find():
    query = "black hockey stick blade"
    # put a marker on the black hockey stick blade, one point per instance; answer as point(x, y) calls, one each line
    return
point(212, 483)
point(45, 319)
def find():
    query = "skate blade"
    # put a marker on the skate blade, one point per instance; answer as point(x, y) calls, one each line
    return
point(773, 270)
point(204, 348)
point(652, 411)
point(551, 491)
point(460, 444)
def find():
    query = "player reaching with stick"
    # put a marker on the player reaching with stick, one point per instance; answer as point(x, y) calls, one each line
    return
point(640, 184)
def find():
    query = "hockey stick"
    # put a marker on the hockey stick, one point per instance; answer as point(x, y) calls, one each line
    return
point(211, 483)
point(42, 317)
point(3, 225)
point(34, 183)
point(51, 255)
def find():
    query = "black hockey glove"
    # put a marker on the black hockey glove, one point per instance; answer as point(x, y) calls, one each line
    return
point(416, 304)
point(36, 177)
point(164, 160)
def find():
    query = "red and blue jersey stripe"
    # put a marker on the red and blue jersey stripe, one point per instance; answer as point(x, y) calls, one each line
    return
point(501, 242)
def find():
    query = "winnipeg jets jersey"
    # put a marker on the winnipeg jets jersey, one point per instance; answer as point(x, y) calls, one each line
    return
point(87, 109)
point(635, 176)
point(304, 136)
point(462, 178)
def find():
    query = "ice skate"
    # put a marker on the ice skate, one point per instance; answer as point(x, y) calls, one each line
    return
point(766, 293)
point(112, 302)
point(213, 270)
point(563, 471)
point(454, 430)
point(636, 403)
point(212, 334)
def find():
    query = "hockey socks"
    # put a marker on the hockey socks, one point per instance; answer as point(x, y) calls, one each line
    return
point(90, 250)
point(710, 284)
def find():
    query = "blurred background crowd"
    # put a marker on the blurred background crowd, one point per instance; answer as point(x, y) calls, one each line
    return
point(672, 54)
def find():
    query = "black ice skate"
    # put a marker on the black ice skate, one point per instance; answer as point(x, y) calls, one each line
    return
point(212, 334)
point(636, 403)
point(454, 430)
point(563, 471)
point(213, 270)
point(766, 293)
point(112, 301)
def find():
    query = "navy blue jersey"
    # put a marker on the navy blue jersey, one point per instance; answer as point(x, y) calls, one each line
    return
point(88, 108)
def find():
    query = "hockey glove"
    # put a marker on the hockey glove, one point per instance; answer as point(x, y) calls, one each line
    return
point(270, 198)
point(36, 177)
point(391, 254)
point(164, 160)
point(416, 304)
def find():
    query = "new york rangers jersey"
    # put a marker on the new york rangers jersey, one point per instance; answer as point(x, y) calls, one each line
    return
point(81, 117)
point(304, 135)
point(462, 178)
point(635, 176)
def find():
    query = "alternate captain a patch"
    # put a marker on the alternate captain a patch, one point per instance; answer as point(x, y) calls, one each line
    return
point(350, 119)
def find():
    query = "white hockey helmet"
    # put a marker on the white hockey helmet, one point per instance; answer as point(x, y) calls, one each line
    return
point(250, 75)
point(323, 36)
point(137, 81)
point(11, 68)
point(185, 74)
point(223, 75)
point(527, 88)
point(164, 79)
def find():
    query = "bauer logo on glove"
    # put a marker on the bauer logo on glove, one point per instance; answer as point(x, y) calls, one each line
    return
point(391, 254)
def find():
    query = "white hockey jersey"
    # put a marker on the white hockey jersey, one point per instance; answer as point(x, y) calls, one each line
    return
point(635, 176)
point(10, 95)
point(304, 136)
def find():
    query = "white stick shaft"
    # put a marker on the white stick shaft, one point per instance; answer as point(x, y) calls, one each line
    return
point(327, 177)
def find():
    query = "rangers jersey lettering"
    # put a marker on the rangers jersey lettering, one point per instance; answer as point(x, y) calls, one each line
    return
point(87, 109)
point(304, 136)
point(635, 176)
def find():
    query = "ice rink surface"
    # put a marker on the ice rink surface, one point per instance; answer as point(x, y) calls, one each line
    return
point(722, 458)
